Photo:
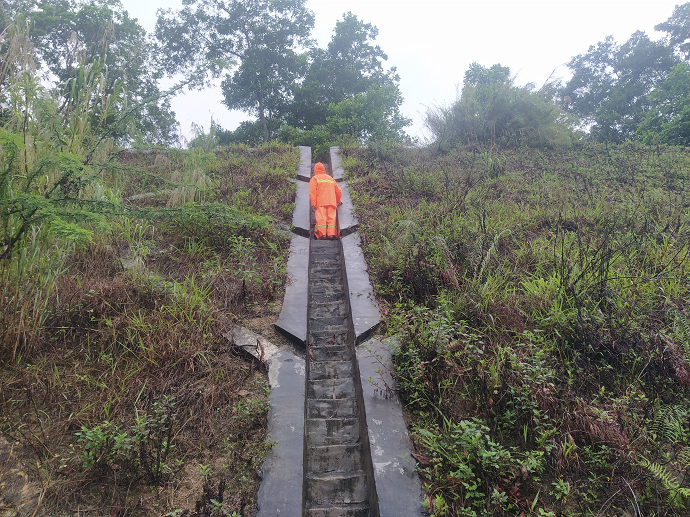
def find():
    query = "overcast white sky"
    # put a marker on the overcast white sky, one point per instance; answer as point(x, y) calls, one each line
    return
point(432, 42)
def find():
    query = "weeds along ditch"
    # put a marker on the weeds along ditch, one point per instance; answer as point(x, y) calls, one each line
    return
point(118, 393)
point(540, 298)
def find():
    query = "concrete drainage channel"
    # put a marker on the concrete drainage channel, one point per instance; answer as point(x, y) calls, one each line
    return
point(338, 470)
point(341, 448)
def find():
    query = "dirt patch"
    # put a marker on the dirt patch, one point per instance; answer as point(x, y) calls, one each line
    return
point(18, 494)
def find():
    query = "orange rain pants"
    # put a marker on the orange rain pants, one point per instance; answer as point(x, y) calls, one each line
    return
point(325, 222)
point(324, 194)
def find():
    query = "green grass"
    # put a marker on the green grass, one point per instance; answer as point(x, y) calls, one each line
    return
point(535, 291)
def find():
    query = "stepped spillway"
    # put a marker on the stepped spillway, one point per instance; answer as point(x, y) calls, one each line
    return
point(338, 474)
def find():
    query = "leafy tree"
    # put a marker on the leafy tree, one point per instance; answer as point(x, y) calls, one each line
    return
point(347, 92)
point(368, 116)
point(677, 28)
point(348, 67)
point(669, 120)
point(260, 37)
point(611, 84)
point(249, 132)
point(71, 34)
point(10, 9)
point(490, 78)
point(491, 109)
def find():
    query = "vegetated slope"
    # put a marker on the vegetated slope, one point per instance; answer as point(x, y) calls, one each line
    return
point(125, 399)
point(541, 302)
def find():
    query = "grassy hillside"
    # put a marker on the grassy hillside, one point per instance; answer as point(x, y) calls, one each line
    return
point(118, 392)
point(539, 298)
point(541, 302)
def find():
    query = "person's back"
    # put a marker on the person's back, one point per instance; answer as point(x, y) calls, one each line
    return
point(324, 196)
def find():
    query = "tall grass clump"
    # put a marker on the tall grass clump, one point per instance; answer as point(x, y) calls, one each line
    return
point(27, 282)
point(47, 204)
point(492, 110)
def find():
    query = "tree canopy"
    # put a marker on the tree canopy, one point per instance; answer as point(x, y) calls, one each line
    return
point(669, 120)
point(349, 66)
point(611, 84)
point(637, 90)
point(71, 34)
point(677, 28)
point(262, 38)
point(271, 69)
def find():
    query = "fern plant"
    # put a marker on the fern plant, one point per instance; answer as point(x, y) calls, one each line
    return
point(681, 326)
point(669, 423)
point(669, 431)
point(677, 495)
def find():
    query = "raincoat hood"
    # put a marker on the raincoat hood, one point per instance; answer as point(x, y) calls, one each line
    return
point(323, 189)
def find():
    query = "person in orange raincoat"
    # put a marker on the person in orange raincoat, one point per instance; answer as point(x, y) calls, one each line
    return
point(324, 196)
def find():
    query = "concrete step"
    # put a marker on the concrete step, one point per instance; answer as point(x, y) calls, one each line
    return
point(337, 489)
point(320, 286)
point(327, 293)
point(335, 459)
point(329, 265)
point(330, 370)
point(319, 245)
point(329, 309)
point(332, 408)
point(331, 389)
point(326, 322)
point(328, 296)
point(319, 255)
point(326, 262)
point(332, 431)
point(326, 274)
point(335, 336)
point(325, 285)
point(333, 352)
point(323, 337)
point(340, 511)
point(326, 280)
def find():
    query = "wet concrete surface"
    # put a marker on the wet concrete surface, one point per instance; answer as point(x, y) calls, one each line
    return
point(397, 484)
point(293, 315)
point(300, 217)
point(346, 213)
point(336, 164)
point(304, 168)
point(365, 314)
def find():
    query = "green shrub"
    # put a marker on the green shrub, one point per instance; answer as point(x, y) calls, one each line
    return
point(465, 456)
point(142, 449)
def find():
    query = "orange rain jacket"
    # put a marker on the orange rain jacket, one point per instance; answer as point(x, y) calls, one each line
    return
point(323, 190)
